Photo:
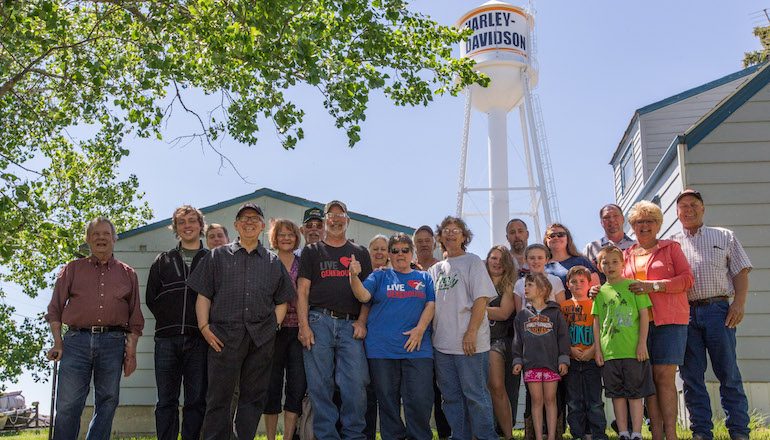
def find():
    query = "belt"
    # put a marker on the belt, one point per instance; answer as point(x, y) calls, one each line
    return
point(99, 329)
point(707, 301)
point(335, 315)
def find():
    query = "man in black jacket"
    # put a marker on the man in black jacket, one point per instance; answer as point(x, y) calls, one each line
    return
point(180, 351)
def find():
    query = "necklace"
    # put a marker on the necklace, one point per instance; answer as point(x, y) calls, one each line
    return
point(640, 251)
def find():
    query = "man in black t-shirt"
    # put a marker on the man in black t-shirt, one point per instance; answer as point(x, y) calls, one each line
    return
point(328, 328)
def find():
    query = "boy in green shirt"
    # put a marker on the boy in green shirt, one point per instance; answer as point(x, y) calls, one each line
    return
point(621, 322)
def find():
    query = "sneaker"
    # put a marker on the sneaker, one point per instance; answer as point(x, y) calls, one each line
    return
point(697, 436)
point(624, 437)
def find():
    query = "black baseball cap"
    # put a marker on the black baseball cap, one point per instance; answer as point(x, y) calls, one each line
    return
point(689, 192)
point(253, 206)
point(312, 214)
point(335, 202)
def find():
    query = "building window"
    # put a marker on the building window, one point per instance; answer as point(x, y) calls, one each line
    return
point(627, 169)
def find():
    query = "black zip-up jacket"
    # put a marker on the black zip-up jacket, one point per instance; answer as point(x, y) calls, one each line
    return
point(169, 298)
point(542, 338)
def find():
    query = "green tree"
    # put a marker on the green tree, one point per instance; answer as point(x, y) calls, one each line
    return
point(762, 55)
point(121, 67)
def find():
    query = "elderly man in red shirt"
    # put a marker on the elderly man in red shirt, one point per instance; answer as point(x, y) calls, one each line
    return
point(97, 297)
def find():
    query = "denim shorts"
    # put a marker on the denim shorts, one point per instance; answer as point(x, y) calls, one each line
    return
point(667, 343)
point(499, 346)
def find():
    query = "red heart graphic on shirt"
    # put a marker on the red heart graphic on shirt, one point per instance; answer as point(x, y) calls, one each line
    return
point(345, 261)
point(416, 284)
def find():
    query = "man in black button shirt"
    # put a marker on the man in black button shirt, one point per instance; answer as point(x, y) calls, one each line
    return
point(242, 294)
point(327, 312)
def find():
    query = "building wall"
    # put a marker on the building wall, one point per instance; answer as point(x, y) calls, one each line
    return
point(660, 126)
point(138, 392)
point(626, 196)
point(731, 168)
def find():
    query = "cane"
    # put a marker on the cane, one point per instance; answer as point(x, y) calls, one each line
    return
point(53, 399)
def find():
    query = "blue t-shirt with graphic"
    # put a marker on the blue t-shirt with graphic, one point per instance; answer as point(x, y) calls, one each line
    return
point(561, 268)
point(398, 300)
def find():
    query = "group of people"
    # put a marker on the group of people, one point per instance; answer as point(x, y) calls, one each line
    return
point(391, 329)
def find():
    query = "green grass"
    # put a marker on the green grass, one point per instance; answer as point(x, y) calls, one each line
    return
point(758, 425)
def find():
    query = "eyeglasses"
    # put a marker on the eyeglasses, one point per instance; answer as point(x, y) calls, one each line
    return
point(331, 215)
point(645, 222)
point(447, 231)
point(250, 219)
point(289, 235)
point(557, 234)
point(396, 251)
point(314, 225)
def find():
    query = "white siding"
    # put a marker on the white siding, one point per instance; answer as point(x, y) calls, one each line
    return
point(731, 168)
point(625, 196)
point(659, 127)
point(139, 251)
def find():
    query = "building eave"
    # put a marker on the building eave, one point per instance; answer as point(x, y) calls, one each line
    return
point(276, 195)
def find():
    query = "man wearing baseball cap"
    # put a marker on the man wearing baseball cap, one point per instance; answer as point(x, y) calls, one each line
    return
point(312, 225)
point(328, 310)
point(721, 268)
point(242, 294)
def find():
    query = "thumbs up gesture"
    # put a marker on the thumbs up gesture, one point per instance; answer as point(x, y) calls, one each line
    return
point(355, 266)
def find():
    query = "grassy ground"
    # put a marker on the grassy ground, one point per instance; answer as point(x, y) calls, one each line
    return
point(759, 431)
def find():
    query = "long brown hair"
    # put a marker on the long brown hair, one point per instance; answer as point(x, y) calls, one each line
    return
point(505, 285)
point(571, 248)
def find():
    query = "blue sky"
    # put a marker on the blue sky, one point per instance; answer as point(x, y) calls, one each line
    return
point(599, 61)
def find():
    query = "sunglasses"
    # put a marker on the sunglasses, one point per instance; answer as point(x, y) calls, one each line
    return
point(557, 234)
point(395, 251)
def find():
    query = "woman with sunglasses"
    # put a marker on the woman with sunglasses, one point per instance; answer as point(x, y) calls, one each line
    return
point(564, 255)
point(398, 340)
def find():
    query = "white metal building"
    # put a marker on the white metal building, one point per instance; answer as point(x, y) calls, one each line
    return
point(714, 138)
point(138, 248)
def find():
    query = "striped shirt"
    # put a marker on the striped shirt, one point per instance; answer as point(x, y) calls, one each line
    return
point(592, 249)
point(715, 256)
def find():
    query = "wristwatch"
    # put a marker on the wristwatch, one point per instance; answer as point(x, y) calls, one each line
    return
point(656, 286)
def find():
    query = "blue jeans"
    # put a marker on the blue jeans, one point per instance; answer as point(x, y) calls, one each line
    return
point(336, 358)
point(178, 358)
point(467, 404)
point(84, 355)
point(584, 400)
point(707, 333)
point(412, 381)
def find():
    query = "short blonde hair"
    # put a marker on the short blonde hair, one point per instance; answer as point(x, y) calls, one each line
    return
point(275, 228)
point(645, 208)
point(608, 250)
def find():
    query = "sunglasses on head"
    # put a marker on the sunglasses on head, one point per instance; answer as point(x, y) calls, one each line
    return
point(402, 250)
point(557, 234)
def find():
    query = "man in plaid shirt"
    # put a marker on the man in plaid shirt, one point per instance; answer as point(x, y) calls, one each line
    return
point(721, 268)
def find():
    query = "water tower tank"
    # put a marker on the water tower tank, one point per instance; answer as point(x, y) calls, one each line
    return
point(501, 46)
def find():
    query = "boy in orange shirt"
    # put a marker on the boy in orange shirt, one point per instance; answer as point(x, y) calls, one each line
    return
point(584, 383)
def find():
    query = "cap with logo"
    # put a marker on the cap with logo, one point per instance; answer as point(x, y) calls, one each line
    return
point(337, 203)
point(312, 214)
point(425, 228)
point(689, 192)
point(253, 206)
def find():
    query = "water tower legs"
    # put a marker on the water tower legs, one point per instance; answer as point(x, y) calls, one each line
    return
point(498, 175)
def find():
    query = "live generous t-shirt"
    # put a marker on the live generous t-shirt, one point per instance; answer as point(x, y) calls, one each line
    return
point(398, 300)
point(617, 310)
point(327, 269)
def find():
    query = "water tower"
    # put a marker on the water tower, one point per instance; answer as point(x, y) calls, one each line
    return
point(502, 44)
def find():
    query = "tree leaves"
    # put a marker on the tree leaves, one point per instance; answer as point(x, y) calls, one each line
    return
point(119, 67)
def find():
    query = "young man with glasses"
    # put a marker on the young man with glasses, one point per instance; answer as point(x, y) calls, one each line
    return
point(242, 293)
point(328, 312)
